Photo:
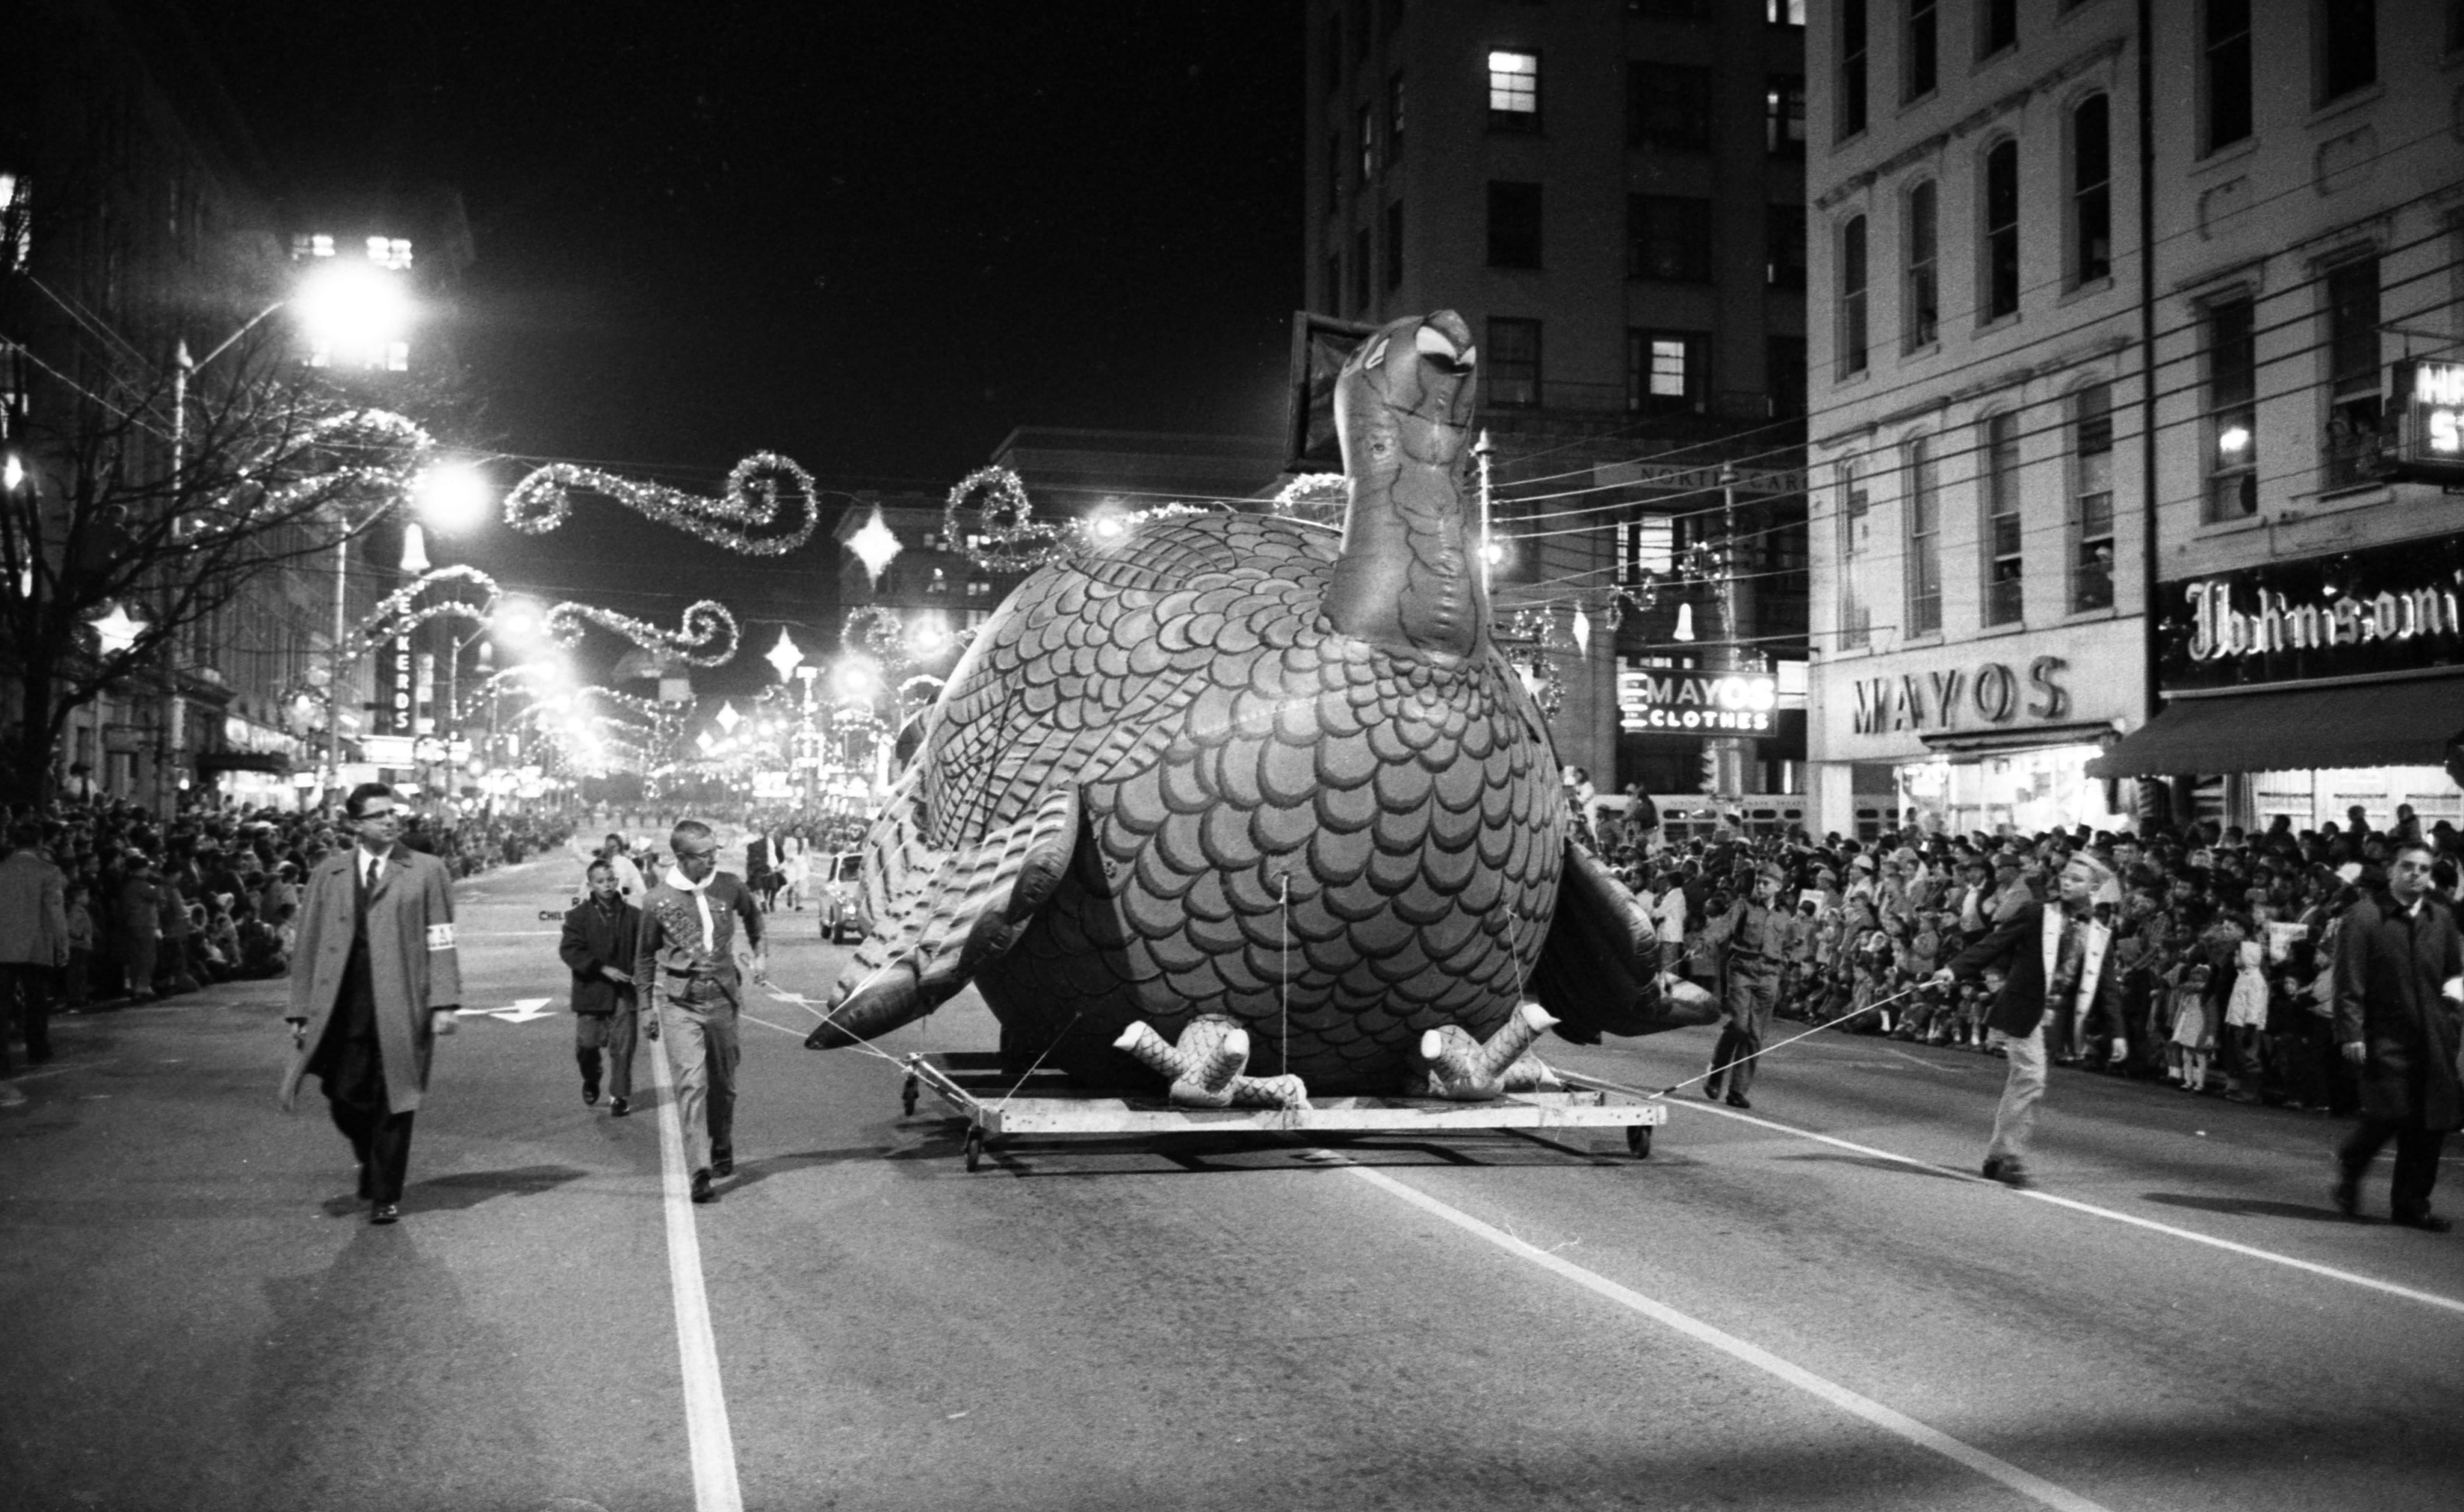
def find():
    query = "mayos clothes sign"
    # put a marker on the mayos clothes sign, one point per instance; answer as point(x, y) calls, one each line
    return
point(2385, 609)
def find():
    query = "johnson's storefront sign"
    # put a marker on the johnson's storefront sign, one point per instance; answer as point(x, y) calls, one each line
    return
point(2387, 609)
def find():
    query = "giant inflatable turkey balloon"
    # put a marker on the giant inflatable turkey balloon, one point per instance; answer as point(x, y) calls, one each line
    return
point(1233, 766)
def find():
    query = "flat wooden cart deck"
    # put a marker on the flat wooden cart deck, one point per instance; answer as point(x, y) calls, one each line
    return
point(997, 1104)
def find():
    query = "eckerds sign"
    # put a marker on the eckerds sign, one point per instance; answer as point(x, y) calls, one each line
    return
point(2387, 609)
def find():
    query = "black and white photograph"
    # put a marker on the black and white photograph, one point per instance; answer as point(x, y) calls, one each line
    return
point(1478, 755)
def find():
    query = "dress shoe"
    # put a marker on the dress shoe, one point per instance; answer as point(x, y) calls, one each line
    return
point(2427, 1221)
point(590, 1094)
point(2006, 1171)
point(1738, 1100)
point(2347, 1194)
point(618, 1107)
point(1711, 1090)
point(385, 1212)
point(722, 1162)
point(701, 1192)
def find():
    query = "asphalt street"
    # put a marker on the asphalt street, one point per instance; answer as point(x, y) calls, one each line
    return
point(1814, 1303)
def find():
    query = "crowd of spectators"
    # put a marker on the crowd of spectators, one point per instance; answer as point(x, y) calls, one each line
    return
point(157, 909)
point(2219, 978)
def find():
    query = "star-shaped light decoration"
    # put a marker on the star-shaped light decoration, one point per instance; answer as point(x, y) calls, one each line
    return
point(705, 743)
point(116, 630)
point(874, 544)
point(729, 718)
point(785, 656)
point(1582, 630)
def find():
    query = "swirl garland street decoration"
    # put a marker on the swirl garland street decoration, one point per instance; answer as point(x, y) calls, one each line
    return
point(705, 622)
point(1012, 541)
point(541, 500)
point(394, 615)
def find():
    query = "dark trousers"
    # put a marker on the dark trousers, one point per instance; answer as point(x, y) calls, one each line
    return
point(2416, 1161)
point(26, 999)
point(381, 1138)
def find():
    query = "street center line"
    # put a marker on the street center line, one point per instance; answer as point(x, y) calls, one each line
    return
point(2034, 1487)
point(2350, 1278)
point(706, 1426)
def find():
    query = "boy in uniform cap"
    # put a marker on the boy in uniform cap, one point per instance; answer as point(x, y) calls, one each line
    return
point(1749, 986)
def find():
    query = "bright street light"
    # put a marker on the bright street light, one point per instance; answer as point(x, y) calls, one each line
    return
point(354, 313)
point(453, 497)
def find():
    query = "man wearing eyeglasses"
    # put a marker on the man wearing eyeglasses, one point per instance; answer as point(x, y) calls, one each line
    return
point(686, 974)
point(375, 976)
point(2399, 983)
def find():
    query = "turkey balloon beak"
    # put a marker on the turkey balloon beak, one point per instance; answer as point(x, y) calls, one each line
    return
point(1445, 364)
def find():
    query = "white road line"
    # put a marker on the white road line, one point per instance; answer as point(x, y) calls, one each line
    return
point(767, 1024)
point(2349, 1278)
point(712, 1441)
point(2034, 1487)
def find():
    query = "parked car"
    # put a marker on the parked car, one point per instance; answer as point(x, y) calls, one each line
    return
point(839, 895)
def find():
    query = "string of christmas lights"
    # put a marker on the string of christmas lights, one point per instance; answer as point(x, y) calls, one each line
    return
point(541, 500)
point(705, 622)
point(1315, 498)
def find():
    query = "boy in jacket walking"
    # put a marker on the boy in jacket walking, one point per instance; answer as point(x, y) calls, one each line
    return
point(602, 937)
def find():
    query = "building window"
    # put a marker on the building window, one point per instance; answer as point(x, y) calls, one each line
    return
point(1665, 370)
point(1333, 45)
point(1668, 238)
point(1851, 296)
point(1784, 376)
point(1513, 91)
point(1359, 31)
point(2232, 410)
point(1394, 244)
point(2226, 73)
point(1334, 171)
point(17, 222)
point(1997, 26)
point(1924, 294)
point(2092, 190)
point(1784, 13)
point(1334, 283)
point(1783, 259)
point(1668, 105)
point(2002, 231)
point(1513, 362)
point(2354, 403)
point(2092, 499)
point(1394, 118)
point(1672, 10)
point(2003, 604)
point(1513, 224)
point(2346, 45)
point(1924, 540)
point(1921, 51)
point(1650, 548)
point(980, 588)
point(1783, 115)
point(1852, 68)
point(940, 583)
point(1368, 126)
point(1855, 524)
point(1363, 269)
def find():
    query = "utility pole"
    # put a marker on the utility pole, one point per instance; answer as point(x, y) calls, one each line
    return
point(1733, 756)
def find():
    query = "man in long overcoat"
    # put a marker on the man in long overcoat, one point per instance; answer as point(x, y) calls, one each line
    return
point(1755, 933)
point(2399, 976)
point(2049, 956)
point(375, 978)
point(33, 939)
point(601, 936)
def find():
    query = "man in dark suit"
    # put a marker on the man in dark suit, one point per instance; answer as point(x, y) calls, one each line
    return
point(375, 976)
point(2399, 978)
point(602, 933)
point(2048, 956)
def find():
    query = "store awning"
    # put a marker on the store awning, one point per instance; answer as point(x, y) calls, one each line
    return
point(274, 761)
point(2409, 723)
point(2024, 737)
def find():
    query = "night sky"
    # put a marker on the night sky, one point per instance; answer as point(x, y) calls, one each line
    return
point(874, 237)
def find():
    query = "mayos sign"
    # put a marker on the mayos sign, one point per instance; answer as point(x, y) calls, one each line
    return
point(1695, 703)
point(1991, 693)
point(2386, 610)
